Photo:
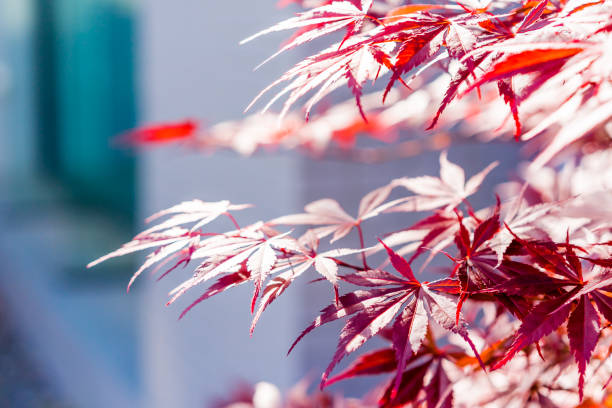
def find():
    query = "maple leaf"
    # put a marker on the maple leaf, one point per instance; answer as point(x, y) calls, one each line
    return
point(428, 362)
point(520, 218)
point(433, 234)
point(169, 242)
point(320, 21)
point(172, 240)
point(534, 14)
point(550, 62)
point(223, 283)
point(161, 133)
point(374, 309)
point(197, 211)
point(448, 191)
point(272, 291)
point(325, 263)
point(583, 331)
point(334, 220)
point(376, 362)
point(574, 305)
point(417, 47)
point(227, 252)
point(475, 267)
point(357, 62)
point(262, 260)
point(527, 58)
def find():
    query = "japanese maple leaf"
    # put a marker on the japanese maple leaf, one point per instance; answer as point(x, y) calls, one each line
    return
point(438, 389)
point(332, 217)
point(195, 211)
point(226, 253)
point(426, 363)
point(273, 290)
point(325, 263)
point(576, 305)
point(418, 46)
point(320, 21)
point(223, 283)
point(532, 16)
point(433, 234)
point(376, 362)
point(475, 266)
point(169, 244)
point(374, 309)
point(458, 78)
point(261, 262)
point(356, 62)
point(526, 58)
point(448, 191)
point(161, 133)
point(173, 241)
point(521, 218)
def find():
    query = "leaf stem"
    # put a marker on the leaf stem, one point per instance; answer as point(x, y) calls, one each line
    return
point(348, 265)
point(231, 217)
point(361, 242)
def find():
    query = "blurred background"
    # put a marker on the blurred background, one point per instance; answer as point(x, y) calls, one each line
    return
point(74, 74)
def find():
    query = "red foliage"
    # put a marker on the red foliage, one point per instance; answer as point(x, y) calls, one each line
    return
point(528, 287)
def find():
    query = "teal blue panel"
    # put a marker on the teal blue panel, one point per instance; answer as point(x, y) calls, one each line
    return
point(94, 67)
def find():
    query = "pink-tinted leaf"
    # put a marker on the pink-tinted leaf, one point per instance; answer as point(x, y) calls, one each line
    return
point(224, 283)
point(328, 268)
point(372, 278)
point(361, 327)
point(541, 321)
point(583, 333)
point(400, 264)
point(527, 61)
point(409, 331)
point(371, 201)
point(259, 265)
point(321, 212)
point(569, 134)
point(439, 391)
point(604, 305)
point(376, 362)
point(534, 14)
point(459, 40)
point(162, 133)
point(505, 90)
point(411, 384)
point(196, 211)
point(442, 308)
point(324, 20)
point(415, 51)
point(348, 304)
point(138, 244)
point(272, 291)
point(453, 87)
point(486, 230)
point(432, 192)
